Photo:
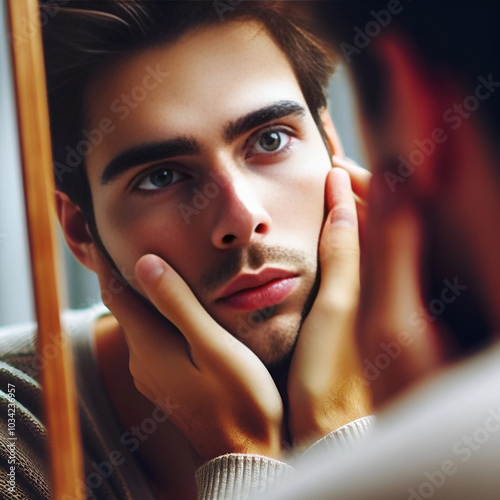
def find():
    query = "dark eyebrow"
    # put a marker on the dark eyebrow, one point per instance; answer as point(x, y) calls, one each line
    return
point(275, 111)
point(147, 153)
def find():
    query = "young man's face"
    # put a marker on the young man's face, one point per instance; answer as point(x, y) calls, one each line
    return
point(216, 165)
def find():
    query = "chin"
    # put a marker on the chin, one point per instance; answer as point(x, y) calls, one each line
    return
point(274, 340)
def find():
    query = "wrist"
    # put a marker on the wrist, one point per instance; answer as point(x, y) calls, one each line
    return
point(313, 416)
point(237, 443)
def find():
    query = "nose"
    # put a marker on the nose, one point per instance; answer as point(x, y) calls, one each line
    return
point(240, 217)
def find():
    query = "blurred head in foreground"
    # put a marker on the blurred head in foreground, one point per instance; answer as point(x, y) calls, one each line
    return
point(428, 81)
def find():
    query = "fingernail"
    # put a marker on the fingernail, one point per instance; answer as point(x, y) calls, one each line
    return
point(149, 268)
point(341, 178)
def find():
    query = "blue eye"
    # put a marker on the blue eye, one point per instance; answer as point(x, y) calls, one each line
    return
point(159, 179)
point(271, 141)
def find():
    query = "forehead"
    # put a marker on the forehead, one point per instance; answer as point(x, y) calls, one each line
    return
point(191, 87)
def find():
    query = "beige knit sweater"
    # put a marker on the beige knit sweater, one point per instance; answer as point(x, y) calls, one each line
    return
point(111, 470)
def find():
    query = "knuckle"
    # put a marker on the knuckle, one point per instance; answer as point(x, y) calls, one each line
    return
point(340, 302)
point(335, 249)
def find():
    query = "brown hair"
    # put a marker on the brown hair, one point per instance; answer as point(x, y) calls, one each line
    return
point(84, 35)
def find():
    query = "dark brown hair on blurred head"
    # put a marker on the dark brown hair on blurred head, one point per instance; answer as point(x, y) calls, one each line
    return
point(459, 37)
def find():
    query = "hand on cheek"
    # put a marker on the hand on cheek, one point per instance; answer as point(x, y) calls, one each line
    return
point(325, 386)
point(222, 397)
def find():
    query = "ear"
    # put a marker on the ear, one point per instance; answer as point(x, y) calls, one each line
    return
point(411, 133)
point(76, 232)
point(332, 138)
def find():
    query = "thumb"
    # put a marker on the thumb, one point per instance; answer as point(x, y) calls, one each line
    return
point(339, 244)
point(175, 300)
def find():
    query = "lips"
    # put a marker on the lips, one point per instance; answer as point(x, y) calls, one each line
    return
point(250, 292)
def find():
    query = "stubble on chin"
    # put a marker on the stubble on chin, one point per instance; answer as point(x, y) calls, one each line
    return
point(271, 333)
point(274, 335)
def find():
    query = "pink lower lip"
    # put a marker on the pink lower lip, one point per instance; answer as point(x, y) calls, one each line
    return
point(266, 295)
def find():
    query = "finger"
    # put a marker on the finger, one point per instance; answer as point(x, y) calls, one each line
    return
point(147, 332)
point(119, 297)
point(325, 362)
point(175, 300)
point(360, 177)
point(360, 182)
point(116, 293)
point(339, 244)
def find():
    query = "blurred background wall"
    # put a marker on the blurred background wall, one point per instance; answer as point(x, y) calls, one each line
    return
point(15, 291)
point(80, 289)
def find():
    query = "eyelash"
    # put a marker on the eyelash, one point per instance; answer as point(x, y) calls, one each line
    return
point(280, 129)
point(250, 142)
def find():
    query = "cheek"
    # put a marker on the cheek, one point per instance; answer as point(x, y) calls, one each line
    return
point(130, 233)
point(299, 208)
